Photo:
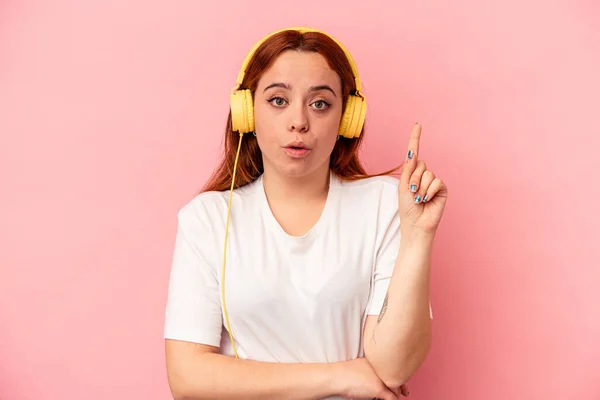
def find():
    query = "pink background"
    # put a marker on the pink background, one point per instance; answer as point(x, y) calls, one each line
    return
point(112, 113)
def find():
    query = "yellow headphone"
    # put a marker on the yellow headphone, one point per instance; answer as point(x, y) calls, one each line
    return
point(242, 120)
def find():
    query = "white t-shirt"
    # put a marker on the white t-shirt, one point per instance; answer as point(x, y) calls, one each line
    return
point(289, 299)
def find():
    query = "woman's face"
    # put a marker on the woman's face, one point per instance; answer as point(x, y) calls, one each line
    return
point(297, 111)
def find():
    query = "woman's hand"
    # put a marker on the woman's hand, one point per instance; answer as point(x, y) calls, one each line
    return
point(358, 380)
point(421, 195)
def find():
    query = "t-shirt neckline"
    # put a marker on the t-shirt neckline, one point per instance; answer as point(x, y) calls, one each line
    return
point(315, 229)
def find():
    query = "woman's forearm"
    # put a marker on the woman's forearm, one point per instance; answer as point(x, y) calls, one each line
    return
point(216, 376)
point(401, 336)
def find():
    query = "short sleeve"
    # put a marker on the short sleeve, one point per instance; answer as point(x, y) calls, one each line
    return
point(193, 311)
point(384, 266)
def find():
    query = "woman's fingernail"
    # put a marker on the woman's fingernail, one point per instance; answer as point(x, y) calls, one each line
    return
point(418, 199)
point(424, 198)
point(413, 188)
point(410, 154)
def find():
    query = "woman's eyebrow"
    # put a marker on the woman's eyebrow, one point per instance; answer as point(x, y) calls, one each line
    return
point(289, 87)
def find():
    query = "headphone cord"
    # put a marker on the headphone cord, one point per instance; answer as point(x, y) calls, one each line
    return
point(225, 247)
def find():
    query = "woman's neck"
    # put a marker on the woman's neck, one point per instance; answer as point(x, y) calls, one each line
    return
point(310, 187)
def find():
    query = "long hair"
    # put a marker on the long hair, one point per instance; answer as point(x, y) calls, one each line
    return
point(344, 160)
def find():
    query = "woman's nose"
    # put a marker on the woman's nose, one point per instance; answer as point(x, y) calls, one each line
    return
point(298, 119)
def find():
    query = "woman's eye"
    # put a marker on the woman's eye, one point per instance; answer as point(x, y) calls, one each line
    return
point(320, 104)
point(277, 101)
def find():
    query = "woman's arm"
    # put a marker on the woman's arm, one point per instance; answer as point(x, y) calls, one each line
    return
point(198, 372)
point(397, 341)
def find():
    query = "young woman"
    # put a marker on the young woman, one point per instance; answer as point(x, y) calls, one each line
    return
point(326, 288)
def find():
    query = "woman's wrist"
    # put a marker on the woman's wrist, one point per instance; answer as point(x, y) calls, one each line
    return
point(416, 239)
point(335, 377)
point(412, 233)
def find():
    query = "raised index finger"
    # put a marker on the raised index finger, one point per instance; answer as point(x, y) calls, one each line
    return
point(412, 153)
point(413, 142)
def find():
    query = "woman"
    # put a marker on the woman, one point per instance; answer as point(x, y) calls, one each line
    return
point(326, 291)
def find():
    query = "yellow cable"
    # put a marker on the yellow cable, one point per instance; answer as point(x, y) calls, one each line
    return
point(225, 248)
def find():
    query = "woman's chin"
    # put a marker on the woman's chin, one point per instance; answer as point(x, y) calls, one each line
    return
point(295, 167)
point(296, 171)
point(302, 169)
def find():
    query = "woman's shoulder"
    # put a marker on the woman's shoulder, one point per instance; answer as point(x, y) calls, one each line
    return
point(212, 205)
point(384, 182)
point(381, 189)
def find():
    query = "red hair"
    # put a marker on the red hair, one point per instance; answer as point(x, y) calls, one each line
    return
point(344, 161)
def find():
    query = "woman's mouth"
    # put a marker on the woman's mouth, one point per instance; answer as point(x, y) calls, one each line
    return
point(296, 151)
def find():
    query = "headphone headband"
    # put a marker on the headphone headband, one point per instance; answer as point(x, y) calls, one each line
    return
point(357, 81)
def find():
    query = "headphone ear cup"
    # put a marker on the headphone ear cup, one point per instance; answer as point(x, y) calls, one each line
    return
point(242, 111)
point(353, 118)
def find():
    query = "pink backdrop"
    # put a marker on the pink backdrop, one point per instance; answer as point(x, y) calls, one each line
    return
point(111, 118)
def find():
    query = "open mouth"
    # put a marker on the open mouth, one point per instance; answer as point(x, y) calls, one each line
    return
point(296, 151)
